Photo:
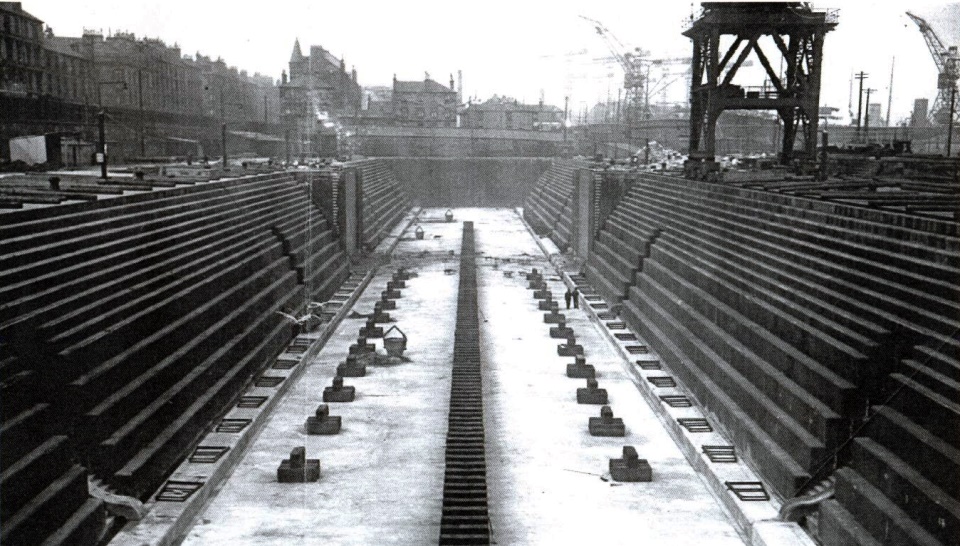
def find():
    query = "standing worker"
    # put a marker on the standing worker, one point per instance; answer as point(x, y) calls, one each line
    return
point(576, 297)
point(566, 297)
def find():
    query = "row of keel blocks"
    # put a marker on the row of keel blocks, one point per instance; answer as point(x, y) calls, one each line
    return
point(628, 468)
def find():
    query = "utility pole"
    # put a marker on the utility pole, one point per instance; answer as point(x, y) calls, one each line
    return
point(860, 76)
point(893, 62)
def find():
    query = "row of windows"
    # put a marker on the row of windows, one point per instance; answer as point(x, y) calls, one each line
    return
point(19, 26)
point(21, 52)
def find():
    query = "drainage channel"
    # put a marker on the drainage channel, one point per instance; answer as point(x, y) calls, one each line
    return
point(465, 518)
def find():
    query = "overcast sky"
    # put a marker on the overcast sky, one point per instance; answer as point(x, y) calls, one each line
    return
point(507, 47)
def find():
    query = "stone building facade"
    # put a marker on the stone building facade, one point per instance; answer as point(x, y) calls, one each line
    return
point(160, 101)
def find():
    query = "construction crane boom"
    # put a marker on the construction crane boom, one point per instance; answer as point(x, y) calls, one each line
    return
point(609, 39)
point(937, 50)
point(947, 60)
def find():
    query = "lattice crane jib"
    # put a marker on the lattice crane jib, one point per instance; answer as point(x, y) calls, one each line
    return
point(947, 60)
point(634, 78)
point(798, 33)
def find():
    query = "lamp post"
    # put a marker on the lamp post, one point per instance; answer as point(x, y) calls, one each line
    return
point(101, 122)
point(223, 124)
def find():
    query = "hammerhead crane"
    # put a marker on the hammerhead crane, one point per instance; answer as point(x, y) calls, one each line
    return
point(948, 68)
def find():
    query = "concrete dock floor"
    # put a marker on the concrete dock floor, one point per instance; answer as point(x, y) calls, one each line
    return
point(382, 476)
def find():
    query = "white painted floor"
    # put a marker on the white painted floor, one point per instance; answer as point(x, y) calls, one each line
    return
point(382, 476)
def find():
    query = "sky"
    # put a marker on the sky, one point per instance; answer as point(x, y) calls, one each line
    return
point(517, 48)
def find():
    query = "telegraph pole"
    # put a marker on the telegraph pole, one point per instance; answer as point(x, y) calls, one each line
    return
point(866, 119)
point(860, 76)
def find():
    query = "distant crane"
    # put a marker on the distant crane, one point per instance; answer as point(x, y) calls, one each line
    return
point(948, 68)
point(634, 80)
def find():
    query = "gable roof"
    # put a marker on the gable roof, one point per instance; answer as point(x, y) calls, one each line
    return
point(425, 86)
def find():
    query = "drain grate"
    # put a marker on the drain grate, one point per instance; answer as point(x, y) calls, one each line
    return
point(268, 381)
point(617, 325)
point(720, 454)
point(662, 381)
point(233, 425)
point(464, 518)
point(208, 454)
point(695, 424)
point(251, 401)
point(178, 491)
point(649, 365)
point(676, 401)
point(625, 336)
point(285, 364)
point(637, 349)
point(607, 316)
point(748, 491)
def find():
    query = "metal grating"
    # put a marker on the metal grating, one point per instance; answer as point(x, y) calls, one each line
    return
point(208, 454)
point(720, 454)
point(626, 336)
point(676, 401)
point(662, 381)
point(268, 381)
point(232, 425)
point(465, 518)
point(177, 491)
point(617, 325)
point(251, 401)
point(285, 364)
point(637, 349)
point(649, 365)
point(695, 424)
point(607, 316)
point(748, 491)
